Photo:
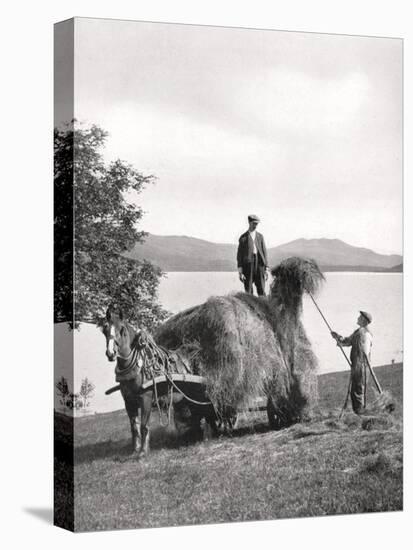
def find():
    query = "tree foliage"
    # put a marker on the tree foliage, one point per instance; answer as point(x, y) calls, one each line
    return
point(96, 220)
point(86, 391)
point(73, 401)
point(62, 388)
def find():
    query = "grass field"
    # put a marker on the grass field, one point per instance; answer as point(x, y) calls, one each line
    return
point(318, 468)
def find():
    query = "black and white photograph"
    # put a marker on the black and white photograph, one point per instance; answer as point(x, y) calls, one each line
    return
point(228, 274)
point(205, 285)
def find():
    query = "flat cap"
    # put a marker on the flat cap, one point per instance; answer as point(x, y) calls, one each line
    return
point(253, 218)
point(367, 316)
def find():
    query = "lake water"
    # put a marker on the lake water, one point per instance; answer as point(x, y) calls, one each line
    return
point(340, 299)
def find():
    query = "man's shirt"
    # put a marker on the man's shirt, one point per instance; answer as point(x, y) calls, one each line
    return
point(361, 337)
point(253, 235)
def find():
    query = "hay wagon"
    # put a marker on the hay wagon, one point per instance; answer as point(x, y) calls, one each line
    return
point(193, 388)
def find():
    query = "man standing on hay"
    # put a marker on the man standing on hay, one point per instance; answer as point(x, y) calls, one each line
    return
point(252, 258)
point(360, 342)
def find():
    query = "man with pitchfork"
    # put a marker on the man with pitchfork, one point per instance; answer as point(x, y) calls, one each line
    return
point(360, 342)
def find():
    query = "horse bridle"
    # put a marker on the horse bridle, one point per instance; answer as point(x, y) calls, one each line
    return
point(110, 336)
point(125, 364)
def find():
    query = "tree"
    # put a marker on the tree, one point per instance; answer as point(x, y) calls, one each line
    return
point(62, 390)
point(86, 391)
point(96, 217)
point(73, 401)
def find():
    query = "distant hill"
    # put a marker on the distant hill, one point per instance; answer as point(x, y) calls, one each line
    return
point(333, 252)
point(397, 268)
point(182, 253)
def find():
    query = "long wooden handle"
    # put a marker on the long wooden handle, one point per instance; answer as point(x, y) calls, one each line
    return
point(112, 390)
point(374, 376)
point(329, 328)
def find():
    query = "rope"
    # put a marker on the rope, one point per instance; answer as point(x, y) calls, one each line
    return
point(170, 406)
point(157, 360)
point(203, 403)
point(155, 389)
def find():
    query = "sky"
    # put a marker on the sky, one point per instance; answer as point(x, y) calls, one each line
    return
point(302, 129)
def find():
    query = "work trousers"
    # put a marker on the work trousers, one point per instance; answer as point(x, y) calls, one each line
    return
point(254, 274)
point(358, 373)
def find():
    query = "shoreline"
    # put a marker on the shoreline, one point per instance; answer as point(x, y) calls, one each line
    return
point(344, 372)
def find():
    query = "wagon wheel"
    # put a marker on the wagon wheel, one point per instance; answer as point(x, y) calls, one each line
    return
point(229, 422)
point(233, 421)
point(273, 419)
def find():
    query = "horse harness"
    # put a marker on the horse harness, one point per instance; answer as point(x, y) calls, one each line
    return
point(142, 360)
point(151, 360)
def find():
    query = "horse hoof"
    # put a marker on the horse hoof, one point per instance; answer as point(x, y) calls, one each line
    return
point(141, 456)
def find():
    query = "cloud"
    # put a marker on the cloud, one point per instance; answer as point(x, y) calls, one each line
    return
point(173, 143)
point(297, 103)
point(299, 127)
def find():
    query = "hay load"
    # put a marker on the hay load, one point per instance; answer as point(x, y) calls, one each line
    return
point(247, 346)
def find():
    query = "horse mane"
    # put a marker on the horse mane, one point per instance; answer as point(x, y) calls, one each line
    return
point(133, 333)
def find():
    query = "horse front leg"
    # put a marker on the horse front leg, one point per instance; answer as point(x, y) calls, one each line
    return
point(130, 394)
point(136, 433)
point(146, 409)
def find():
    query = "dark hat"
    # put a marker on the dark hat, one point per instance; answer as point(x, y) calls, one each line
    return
point(253, 218)
point(367, 316)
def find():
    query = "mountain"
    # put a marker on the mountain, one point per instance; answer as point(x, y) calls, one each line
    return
point(182, 253)
point(333, 252)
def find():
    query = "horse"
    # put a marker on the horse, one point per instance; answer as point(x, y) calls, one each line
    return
point(126, 346)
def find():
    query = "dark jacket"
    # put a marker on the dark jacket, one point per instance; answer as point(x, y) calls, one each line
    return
point(246, 248)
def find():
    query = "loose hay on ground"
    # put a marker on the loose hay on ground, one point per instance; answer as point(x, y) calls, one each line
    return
point(384, 402)
point(377, 422)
